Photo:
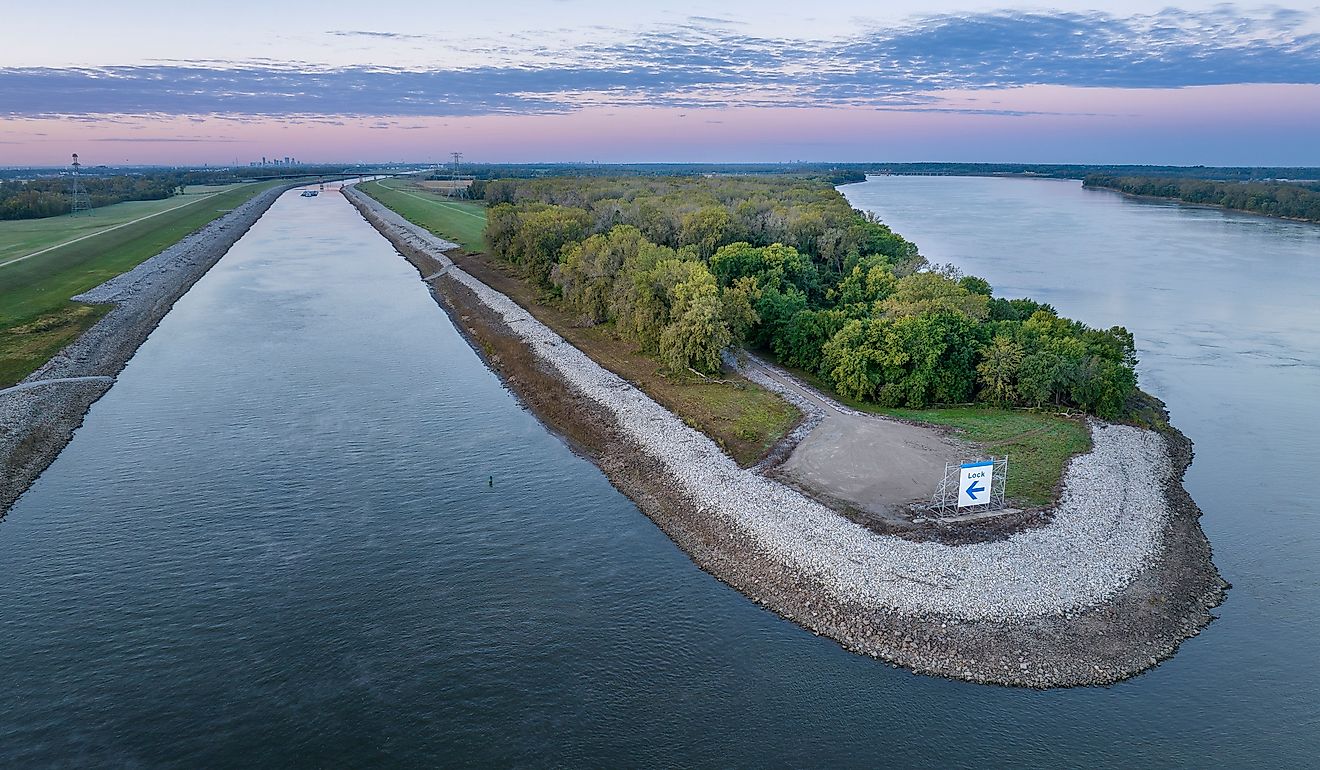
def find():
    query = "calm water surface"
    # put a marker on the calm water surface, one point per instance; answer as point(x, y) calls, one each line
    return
point(274, 543)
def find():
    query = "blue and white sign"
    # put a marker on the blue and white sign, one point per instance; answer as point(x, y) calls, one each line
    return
point(975, 483)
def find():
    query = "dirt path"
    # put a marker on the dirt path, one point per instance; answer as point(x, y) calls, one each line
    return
point(870, 462)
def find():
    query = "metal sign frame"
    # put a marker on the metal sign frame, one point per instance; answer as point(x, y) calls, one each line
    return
point(945, 499)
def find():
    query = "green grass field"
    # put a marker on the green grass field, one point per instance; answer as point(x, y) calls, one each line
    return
point(457, 220)
point(37, 317)
point(25, 236)
point(1038, 444)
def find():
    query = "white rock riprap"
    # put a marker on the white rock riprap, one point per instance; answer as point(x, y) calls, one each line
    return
point(1107, 527)
point(1105, 530)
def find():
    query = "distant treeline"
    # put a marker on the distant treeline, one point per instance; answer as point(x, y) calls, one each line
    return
point(1295, 201)
point(686, 266)
point(838, 173)
point(50, 197)
point(1072, 171)
point(842, 173)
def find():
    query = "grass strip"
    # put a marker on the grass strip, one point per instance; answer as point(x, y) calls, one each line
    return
point(463, 222)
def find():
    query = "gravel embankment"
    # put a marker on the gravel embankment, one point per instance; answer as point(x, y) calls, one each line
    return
point(1105, 529)
point(1111, 585)
point(36, 423)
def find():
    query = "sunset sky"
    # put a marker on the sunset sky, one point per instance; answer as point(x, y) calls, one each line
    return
point(148, 81)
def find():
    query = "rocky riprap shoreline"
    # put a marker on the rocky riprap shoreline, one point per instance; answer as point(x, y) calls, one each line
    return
point(37, 422)
point(1116, 580)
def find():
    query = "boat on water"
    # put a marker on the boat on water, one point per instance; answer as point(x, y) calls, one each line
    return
point(309, 193)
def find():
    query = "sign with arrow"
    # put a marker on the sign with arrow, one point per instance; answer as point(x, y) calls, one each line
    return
point(975, 483)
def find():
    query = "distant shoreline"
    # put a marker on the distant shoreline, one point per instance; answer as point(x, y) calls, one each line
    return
point(1190, 204)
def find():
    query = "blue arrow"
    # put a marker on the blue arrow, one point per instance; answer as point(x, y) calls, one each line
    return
point(974, 488)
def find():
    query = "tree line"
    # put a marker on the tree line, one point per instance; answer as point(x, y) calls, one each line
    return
point(48, 196)
point(687, 266)
point(37, 198)
point(1277, 199)
point(843, 173)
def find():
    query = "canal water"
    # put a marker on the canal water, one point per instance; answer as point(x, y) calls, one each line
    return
point(276, 540)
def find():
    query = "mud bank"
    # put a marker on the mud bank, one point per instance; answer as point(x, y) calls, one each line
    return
point(1110, 587)
point(38, 418)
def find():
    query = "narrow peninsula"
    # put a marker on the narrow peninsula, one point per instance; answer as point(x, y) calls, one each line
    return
point(1095, 579)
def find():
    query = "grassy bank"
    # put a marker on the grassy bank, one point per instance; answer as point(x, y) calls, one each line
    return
point(743, 418)
point(37, 316)
point(463, 222)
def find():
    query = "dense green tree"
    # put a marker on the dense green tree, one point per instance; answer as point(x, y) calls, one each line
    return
point(699, 333)
point(976, 285)
point(705, 228)
point(775, 307)
point(50, 196)
point(739, 308)
point(737, 260)
point(685, 267)
point(803, 337)
point(1016, 309)
point(587, 270)
point(502, 221)
point(541, 234)
point(1278, 199)
point(911, 361)
point(998, 370)
point(924, 293)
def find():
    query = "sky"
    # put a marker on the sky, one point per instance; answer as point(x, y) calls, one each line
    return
point(148, 81)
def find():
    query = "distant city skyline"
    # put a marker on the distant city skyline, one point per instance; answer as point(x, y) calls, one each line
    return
point(582, 80)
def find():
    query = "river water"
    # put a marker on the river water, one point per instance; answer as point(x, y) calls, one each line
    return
point(276, 540)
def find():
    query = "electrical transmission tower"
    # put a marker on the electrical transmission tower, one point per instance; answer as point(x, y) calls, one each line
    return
point(453, 188)
point(78, 198)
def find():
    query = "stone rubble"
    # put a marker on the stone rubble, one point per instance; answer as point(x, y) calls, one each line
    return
point(1105, 530)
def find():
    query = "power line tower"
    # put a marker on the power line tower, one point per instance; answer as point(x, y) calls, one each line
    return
point(78, 198)
point(458, 158)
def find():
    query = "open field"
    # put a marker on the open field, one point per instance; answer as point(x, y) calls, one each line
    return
point(206, 189)
point(37, 316)
point(444, 185)
point(463, 222)
point(1038, 444)
point(21, 237)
